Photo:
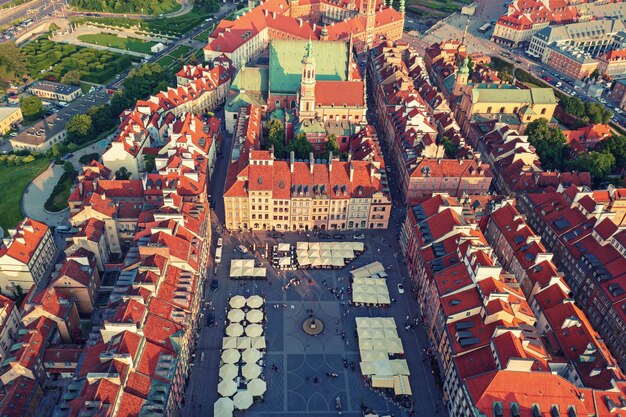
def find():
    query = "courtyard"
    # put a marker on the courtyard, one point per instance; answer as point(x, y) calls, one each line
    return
point(297, 364)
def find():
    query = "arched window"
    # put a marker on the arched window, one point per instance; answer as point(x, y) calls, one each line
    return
point(489, 109)
point(277, 104)
point(501, 109)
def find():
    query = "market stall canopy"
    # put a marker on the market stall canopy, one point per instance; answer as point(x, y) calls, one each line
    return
point(257, 387)
point(258, 342)
point(254, 330)
point(243, 343)
point(230, 356)
point(284, 247)
point(234, 330)
point(238, 301)
point(236, 315)
point(401, 385)
point(227, 388)
point(229, 343)
point(251, 355)
point(223, 407)
point(229, 371)
point(254, 301)
point(242, 400)
point(251, 371)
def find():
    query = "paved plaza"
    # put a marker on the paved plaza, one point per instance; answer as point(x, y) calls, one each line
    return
point(301, 385)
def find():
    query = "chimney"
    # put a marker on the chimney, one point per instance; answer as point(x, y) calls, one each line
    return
point(311, 162)
point(292, 157)
point(351, 171)
point(372, 170)
point(300, 22)
point(314, 26)
point(330, 161)
point(349, 156)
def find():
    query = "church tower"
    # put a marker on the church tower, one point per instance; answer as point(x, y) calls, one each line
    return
point(462, 77)
point(368, 9)
point(307, 84)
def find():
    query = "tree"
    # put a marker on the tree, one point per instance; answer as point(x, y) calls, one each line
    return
point(300, 146)
point(79, 128)
point(54, 151)
point(71, 78)
point(148, 162)
point(32, 107)
point(102, 118)
point(12, 64)
point(470, 65)
point(331, 145)
point(595, 74)
point(598, 164)
point(573, 106)
point(616, 146)
point(450, 147)
point(505, 76)
point(549, 143)
point(597, 113)
point(68, 167)
point(122, 174)
point(276, 137)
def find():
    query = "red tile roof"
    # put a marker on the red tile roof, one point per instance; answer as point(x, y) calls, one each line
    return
point(26, 240)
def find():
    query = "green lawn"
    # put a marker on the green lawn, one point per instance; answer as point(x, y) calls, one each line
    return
point(60, 194)
point(435, 8)
point(169, 25)
point(166, 61)
point(204, 35)
point(154, 7)
point(13, 181)
point(180, 51)
point(128, 44)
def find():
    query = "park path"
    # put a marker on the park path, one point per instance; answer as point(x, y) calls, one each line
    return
point(38, 191)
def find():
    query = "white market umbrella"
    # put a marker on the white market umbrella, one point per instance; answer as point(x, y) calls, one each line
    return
point(251, 355)
point(229, 371)
point(223, 407)
point(254, 330)
point(243, 400)
point(254, 301)
point(254, 316)
point(234, 330)
point(227, 388)
point(238, 301)
point(236, 315)
point(230, 356)
point(257, 387)
point(251, 371)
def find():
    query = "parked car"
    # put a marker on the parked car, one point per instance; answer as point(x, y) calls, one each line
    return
point(210, 319)
point(220, 242)
point(324, 236)
point(338, 236)
point(241, 249)
point(400, 289)
point(214, 285)
point(359, 236)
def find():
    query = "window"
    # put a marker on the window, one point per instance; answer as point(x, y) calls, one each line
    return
point(543, 111)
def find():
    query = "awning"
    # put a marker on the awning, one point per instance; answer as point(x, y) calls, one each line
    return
point(243, 343)
point(234, 330)
point(258, 342)
point(254, 330)
point(284, 247)
point(254, 316)
point(382, 382)
point(401, 385)
point(229, 343)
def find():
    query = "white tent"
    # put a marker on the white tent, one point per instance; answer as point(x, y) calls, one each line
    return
point(229, 343)
point(302, 245)
point(257, 387)
point(243, 400)
point(230, 356)
point(254, 301)
point(258, 342)
point(243, 343)
point(254, 316)
point(284, 247)
point(254, 330)
point(227, 388)
point(229, 371)
point(234, 330)
point(235, 315)
point(223, 407)
point(238, 301)
point(251, 355)
point(251, 371)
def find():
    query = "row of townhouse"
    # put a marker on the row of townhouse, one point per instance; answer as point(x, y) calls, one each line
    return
point(405, 103)
point(584, 230)
point(263, 193)
point(498, 351)
point(516, 167)
point(164, 117)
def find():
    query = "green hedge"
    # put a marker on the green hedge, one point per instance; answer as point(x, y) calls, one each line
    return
point(61, 192)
